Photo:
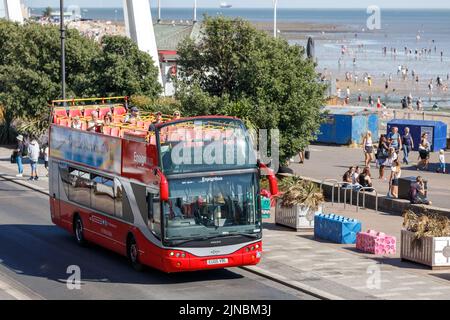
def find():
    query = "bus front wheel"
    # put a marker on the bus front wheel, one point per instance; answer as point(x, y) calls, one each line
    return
point(133, 254)
point(79, 231)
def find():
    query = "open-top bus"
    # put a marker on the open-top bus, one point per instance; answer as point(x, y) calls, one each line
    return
point(177, 195)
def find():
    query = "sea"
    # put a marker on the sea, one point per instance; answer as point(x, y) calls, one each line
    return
point(399, 28)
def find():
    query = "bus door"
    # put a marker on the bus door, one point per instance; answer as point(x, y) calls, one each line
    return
point(55, 207)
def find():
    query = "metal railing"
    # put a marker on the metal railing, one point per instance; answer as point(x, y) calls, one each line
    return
point(363, 190)
point(332, 190)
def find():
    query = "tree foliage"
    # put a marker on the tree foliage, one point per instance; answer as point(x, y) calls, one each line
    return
point(240, 71)
point(30, 73)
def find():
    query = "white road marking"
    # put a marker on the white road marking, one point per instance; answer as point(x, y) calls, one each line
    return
point(13, 292)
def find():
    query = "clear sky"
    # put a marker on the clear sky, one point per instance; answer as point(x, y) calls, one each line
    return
point(259, 3)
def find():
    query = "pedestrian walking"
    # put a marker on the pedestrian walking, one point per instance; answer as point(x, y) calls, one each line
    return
point(408, 145)
point(424, 152)
point(382, 154)
point(394, 139)
point(441, 161)
point(19, 153)
point(396, 172)
point(368, 148)
point(33, 152)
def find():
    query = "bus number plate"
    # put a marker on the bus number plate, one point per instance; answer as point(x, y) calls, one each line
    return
point(216, 261)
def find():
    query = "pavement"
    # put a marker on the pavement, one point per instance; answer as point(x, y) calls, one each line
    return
point(295, 261)
point(331, 162)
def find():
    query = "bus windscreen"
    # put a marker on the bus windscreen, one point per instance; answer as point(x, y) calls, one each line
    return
point(205, 145)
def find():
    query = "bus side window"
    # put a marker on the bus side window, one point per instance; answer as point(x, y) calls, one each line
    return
point(153, 213)
point(150, 206)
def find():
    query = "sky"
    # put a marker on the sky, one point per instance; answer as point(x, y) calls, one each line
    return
point(258, 3)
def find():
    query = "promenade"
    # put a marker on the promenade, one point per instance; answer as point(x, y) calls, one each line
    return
point(326, 270)
point(331, 162)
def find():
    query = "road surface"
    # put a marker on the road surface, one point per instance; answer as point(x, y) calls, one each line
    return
point(35, 255)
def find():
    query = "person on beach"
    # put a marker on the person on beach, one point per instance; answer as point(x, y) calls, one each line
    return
point(382, 154)
point(441, 161)
point(379, 104)
point(424, 152)
point(368, 148)
point(370, 101)
point(419, 104)
point(404, 103)
point(396, 172)
point(409, 100)
point(408, 145)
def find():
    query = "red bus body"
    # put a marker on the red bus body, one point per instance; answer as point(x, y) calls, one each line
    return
point(107, 181)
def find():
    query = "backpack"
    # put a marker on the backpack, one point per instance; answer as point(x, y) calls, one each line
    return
point(25, 150)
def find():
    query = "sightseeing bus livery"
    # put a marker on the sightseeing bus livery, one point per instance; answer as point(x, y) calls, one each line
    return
point(177, 194)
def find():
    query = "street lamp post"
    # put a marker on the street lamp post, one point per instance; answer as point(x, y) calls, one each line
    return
point(275, 2)
point(159, 11)
point(63, 50)
point(195, 11)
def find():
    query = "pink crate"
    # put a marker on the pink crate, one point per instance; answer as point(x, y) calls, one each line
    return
point(375, 242)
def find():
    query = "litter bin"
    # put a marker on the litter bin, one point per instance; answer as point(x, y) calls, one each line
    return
point(404, 186)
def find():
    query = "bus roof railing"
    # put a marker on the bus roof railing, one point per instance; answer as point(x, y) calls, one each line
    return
point(73, 101)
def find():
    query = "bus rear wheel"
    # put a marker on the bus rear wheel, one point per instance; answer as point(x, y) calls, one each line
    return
point(79, 231)
point(133, 254)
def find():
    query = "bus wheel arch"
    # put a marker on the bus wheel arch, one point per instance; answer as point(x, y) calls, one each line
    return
point(78, 229)
point(133, 252)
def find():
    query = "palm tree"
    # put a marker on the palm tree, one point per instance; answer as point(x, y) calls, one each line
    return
point(47, 12)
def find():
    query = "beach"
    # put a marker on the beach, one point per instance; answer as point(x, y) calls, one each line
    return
point(345, 50)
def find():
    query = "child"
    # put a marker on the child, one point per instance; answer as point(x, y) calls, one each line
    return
point(441, 161)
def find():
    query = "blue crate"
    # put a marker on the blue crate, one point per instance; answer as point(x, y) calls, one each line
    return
point(337, 229)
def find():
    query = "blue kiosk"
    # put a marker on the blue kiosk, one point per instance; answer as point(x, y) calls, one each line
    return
point(437, 132)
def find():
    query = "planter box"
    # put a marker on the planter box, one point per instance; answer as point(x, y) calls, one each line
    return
point(337, 229)
point(375, 242)
point(298, 217)
point(431, 251)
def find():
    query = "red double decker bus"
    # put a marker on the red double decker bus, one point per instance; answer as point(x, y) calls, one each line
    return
point(173, 194)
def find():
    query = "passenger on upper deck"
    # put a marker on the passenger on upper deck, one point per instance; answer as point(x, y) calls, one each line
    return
point(176, 115)
point(94, 125)
point(158, 118)
point(133, 116)
point(76, 123)
point(108, 119)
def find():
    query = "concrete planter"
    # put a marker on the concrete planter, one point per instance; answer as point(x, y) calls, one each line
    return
point(297, 217)
point(431, 251)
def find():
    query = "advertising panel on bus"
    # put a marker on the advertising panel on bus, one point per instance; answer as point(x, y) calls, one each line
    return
point(90, 149)
point(139, 160)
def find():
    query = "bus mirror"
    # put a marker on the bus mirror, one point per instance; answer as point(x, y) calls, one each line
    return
point(273, 183)
point(163, 187)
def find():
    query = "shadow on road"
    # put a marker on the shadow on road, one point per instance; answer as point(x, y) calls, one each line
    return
point(46, 251)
